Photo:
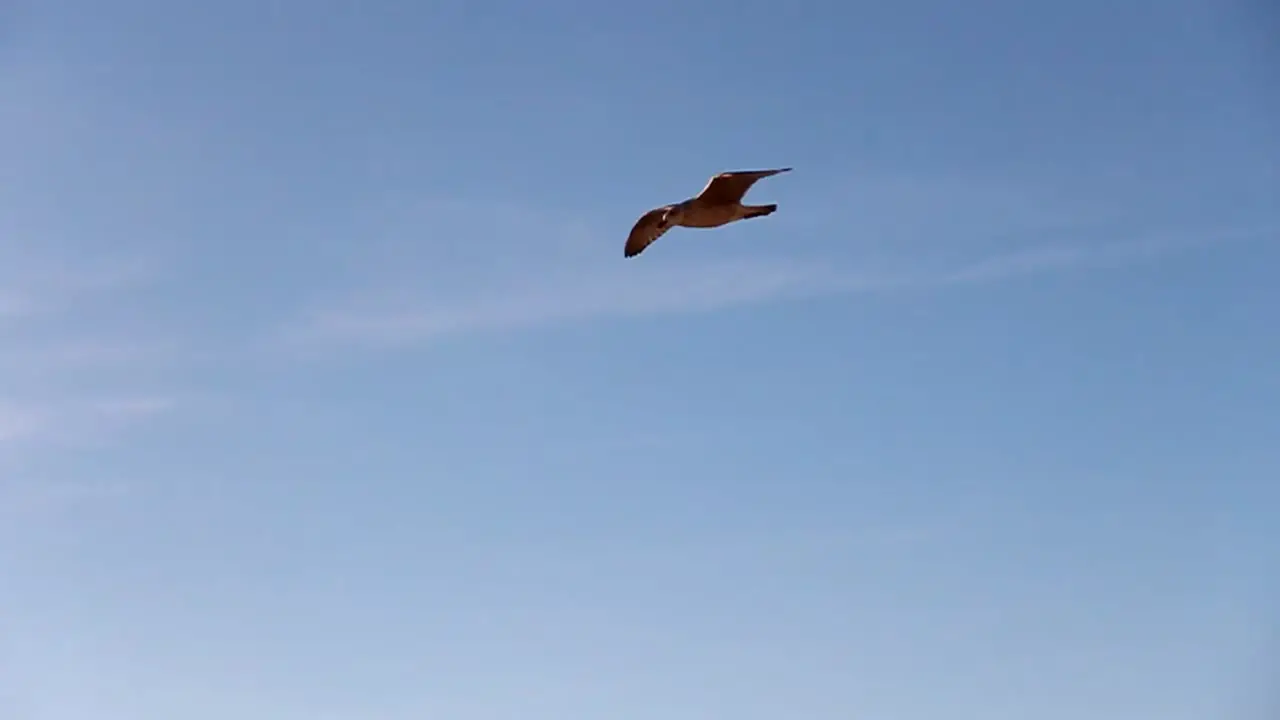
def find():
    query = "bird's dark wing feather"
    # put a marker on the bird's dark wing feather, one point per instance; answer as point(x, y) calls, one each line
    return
point(647, 229)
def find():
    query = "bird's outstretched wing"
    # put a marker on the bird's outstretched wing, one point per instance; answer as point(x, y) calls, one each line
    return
point(727, 188)
point(647, 229)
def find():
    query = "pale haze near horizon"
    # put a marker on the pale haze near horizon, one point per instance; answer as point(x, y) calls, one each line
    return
point(326, 393)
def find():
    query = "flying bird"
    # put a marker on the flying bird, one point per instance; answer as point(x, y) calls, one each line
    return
point(719, 203)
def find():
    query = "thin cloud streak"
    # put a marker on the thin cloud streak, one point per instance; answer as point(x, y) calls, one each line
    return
point(53, 359)
point(30, 286)
point(20, 498)
point(132, 407)
point(18, 422)
point(1063, 257)
point(34, 430)
point(76, 381)
point(44, 421)
point(647, 292)
point(655, 290)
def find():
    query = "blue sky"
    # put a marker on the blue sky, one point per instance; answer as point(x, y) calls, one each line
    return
point(327, 393)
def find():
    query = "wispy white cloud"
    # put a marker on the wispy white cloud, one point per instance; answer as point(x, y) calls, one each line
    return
point(18, 422)
point(1062, 257)
point(53, 419)
point(30, 358)
point(563, 299)
point(44, 426)
point(41, 428)
point(396, 316)
point(73, 381)
point(127, 408)
point(77, 357)
point(31, 283)
point(23, 496)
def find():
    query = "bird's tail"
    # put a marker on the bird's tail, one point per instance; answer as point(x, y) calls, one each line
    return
point(754, 211)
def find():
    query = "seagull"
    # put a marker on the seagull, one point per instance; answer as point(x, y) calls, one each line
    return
point(719, 203)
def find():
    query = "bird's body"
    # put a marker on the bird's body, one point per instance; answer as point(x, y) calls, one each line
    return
point(719, 203)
